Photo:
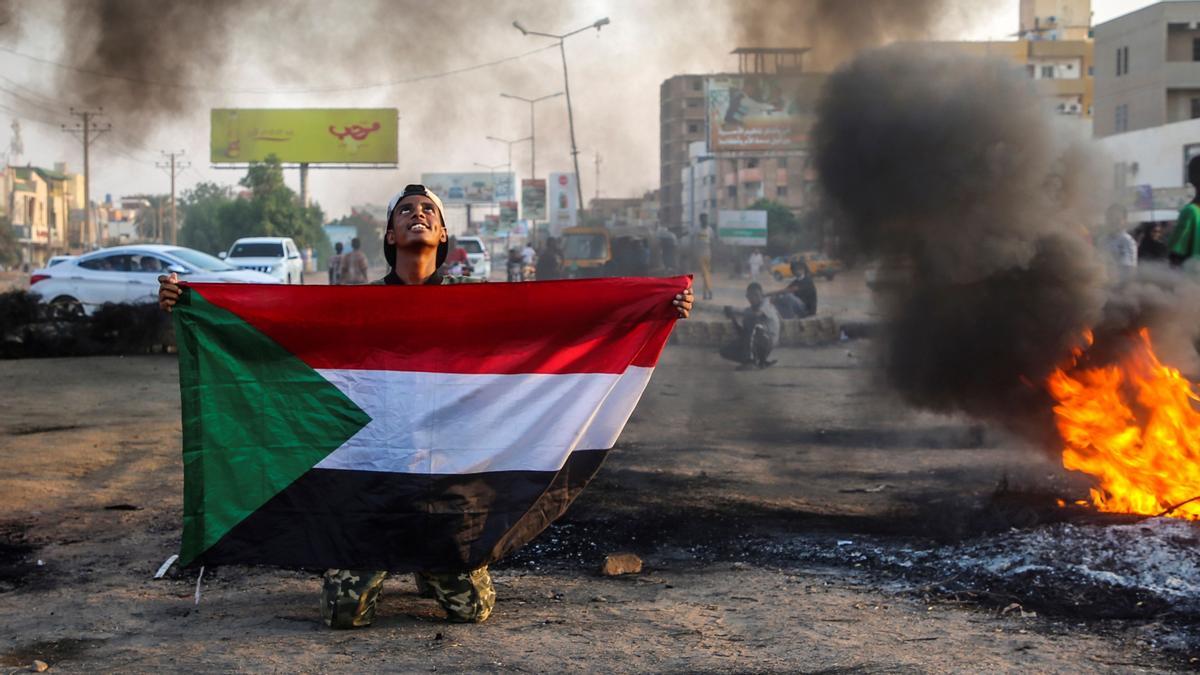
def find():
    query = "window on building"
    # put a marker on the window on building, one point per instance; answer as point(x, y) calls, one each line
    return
point(697, 85)
point(731, 191)
point(1195, 108)
point(693, 128)
point(694, 102)
point(781, 191)
point(1122, 61)
point(1196, 49)
point(1047, 72)
point(752, 163)
point(1121, 118)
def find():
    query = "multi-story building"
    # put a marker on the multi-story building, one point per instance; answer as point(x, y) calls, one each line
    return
point(1061, 70)
point(1055, 20)
point(1148, 68)
point(682, 122)
point(743, 160)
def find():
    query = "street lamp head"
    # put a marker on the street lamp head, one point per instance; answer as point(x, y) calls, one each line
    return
point(518, 26)
point(600, 23)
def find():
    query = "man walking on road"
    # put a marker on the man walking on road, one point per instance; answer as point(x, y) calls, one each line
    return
point(415, 245)
point(354, 267)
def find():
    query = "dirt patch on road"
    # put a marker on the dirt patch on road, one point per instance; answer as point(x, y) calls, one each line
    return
point(739, 512)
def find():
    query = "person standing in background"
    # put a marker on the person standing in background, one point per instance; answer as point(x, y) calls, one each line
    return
point(703, 249)
point(756, 263)
point(1185, 238)
point(335, 265)
point(354, 267)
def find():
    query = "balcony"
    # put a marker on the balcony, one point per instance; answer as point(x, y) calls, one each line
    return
point(1182, 74)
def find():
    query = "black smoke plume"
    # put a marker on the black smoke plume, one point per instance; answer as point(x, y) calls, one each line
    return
point(157, 49)
point(947, 168)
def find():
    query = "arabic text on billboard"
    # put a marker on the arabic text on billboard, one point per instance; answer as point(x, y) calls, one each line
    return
point(474, 188)
point(755, 113)
point(533, 198)
point(742, 228)
point(304, 135)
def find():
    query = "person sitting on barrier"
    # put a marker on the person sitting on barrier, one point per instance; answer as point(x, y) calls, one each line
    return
point(757, 329)
point(799, 299)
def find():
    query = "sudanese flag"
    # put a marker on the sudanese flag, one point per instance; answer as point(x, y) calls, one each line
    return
point(402, 428)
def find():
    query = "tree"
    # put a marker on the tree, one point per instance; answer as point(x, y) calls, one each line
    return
point(214, 218)
point(202, 222)
point(10, 248)
point(787, 233)
point(151, 221)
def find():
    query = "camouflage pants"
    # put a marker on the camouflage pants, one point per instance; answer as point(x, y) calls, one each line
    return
point(349, 597)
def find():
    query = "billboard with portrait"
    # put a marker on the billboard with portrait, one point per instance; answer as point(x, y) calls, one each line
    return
point(473, 188)
point(759, 112)
point(304, 135)
point(533, 198)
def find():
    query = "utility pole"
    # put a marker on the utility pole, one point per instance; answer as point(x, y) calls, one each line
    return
point(87, 131)
point(173, 167)
point(598, 24)
point(597, 174)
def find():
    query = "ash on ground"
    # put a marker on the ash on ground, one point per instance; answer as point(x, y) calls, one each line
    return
point(1132, 571)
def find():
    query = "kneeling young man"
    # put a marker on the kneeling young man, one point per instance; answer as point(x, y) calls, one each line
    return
point(415, 245)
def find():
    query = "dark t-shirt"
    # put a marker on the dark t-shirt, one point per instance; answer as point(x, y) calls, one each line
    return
point(806, 290)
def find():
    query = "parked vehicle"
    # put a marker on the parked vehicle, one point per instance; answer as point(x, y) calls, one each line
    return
point(586, 251)
point(276, 256)
point(128, 274)
point(819, 265)
point(55, 259)
point(477, 255)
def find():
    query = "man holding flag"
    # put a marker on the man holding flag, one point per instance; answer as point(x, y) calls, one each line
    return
point(492, 498)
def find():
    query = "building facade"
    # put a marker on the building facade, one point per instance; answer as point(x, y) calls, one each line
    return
point(681, 122)
point(45, 209)
point(1055, 20)
point(1148, 68)
point(698, 178)
point(1148, 168)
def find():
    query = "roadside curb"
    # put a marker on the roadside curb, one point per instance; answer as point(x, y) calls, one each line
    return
point(792, 332)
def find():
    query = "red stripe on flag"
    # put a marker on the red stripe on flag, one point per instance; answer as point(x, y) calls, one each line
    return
point(580, 326)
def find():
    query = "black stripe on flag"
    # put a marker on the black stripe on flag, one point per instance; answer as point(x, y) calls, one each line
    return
point(404, 522)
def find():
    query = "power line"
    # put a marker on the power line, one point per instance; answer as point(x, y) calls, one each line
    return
point(311, 90)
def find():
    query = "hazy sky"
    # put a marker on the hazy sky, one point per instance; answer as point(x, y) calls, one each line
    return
point(615, 77)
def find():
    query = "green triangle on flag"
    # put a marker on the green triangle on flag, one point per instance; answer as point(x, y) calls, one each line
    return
point(255, 418)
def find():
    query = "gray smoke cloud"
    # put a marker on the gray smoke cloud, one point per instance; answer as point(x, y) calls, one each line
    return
point(834, 29)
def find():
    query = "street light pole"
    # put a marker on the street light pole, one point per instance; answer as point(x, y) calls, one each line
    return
point(532, 135)
point(510, 144)
point(567, 88)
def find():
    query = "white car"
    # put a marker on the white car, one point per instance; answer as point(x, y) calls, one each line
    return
point(128, 274)
point(55, 259)
point(277, 256)
point(477, 255)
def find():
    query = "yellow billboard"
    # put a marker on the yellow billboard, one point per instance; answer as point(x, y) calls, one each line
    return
point(304, 135)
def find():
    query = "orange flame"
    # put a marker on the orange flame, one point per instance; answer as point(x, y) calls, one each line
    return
point(1133, 427)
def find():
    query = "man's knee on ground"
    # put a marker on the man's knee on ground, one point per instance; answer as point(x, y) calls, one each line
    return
point(467, 597)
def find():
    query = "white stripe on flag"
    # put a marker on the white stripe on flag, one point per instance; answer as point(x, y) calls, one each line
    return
point(439, 423)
